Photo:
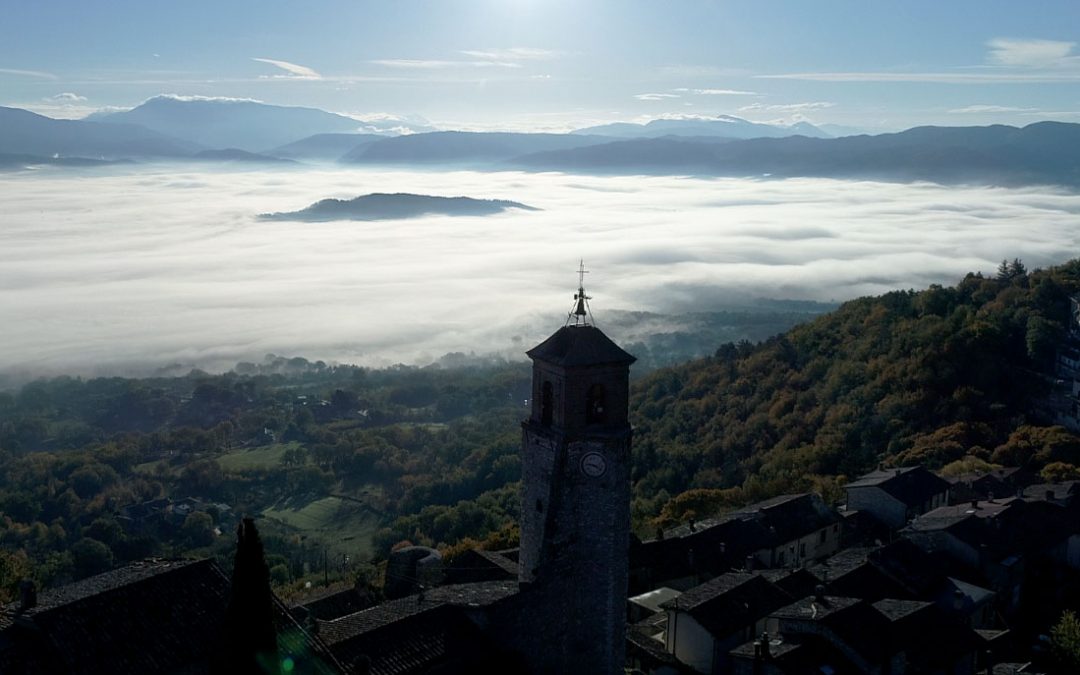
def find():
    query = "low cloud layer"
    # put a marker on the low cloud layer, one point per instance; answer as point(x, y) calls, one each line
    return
point(141, 268)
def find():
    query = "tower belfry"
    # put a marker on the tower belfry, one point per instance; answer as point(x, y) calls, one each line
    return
point(575, 512)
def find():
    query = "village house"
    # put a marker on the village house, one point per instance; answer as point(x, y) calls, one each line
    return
point(895, 496)
point(1000, 540)
point(706, 622)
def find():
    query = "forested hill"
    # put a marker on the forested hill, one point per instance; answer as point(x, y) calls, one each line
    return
point(909, 377)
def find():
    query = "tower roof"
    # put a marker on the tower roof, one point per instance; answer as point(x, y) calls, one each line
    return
point(579, 346)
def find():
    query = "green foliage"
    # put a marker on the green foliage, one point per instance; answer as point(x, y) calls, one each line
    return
point(14, 567)
point(965, 465)
point(905, 378)
point(1056, 472)
point(198, 529)
point(91, 556)
point(1038, 445)
point(1065, 642)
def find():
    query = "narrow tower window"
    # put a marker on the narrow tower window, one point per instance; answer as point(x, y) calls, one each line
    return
point(546, 404)
point(594, 405)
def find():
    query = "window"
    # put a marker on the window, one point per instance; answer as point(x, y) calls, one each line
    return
point(780, 558)
point(546, 402)
point(822, 535)
point(594, 405)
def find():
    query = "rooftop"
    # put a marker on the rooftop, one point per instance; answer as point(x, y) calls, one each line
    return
point(584, 345)
point(911, 485)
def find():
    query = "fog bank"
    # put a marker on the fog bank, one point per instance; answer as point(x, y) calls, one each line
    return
point(153, 265)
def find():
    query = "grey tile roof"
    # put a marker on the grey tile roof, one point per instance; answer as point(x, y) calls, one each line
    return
point(146, 617)
point(912, 485)
point(730, 602)
point(580, 346)
point(458, 595)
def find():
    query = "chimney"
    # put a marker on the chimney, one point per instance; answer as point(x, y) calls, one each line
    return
point(27, 595)
point(819, 593)
point(1049, 495)
point(749, 563)
point(958, 600)
point(974, 503)
point(765, 646)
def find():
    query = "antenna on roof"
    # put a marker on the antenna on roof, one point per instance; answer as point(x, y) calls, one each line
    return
point(581, 312)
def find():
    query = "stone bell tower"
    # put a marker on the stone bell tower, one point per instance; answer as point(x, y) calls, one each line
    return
point(575, 513)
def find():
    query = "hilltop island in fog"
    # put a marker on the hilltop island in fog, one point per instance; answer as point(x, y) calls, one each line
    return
point(382, 206)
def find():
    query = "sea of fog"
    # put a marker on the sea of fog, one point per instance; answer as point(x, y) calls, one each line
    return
point(108, 270)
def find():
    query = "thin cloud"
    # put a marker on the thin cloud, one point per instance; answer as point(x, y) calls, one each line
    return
point(440, 64)
point(976, 109)
point(67, 97)
point(655, 97)
point(787, 107)
point(1031, 53)
point(28, 73)
point(1011, 61)
point(294, 70)
point(716, 92)
point(1050, 114)
point(940, 78)
point(195, 97)
point(513, 54)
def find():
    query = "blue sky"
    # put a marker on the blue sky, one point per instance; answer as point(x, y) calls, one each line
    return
point(558, 64)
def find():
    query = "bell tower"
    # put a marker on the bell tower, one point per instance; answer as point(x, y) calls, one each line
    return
point(575, 513)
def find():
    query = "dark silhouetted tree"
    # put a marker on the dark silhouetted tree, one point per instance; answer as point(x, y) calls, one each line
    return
point(250, 640)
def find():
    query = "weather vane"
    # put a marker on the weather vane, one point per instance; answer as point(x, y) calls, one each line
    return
point(580, 312)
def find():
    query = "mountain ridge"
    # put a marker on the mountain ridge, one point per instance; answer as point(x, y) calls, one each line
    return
point(726, 126)
point(248, 125)
point(396, 206)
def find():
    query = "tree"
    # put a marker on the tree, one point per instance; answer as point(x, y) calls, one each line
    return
point(1065, 641)
point(250, 640)
point(91, 557)
point(198, 528)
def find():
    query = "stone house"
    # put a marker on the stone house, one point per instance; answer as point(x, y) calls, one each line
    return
point(706, 622)
point(895, 496)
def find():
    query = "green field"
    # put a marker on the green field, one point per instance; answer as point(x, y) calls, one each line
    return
point(345, 527)
point(262, 457)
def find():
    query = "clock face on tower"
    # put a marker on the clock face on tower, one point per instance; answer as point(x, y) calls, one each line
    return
point(593, 464)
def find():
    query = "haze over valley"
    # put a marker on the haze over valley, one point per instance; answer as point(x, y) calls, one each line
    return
point(132, 268)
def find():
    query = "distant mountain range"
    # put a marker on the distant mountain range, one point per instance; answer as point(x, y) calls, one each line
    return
point(726, 126)
point(1040, 153)
point(216, 130)
point(26, 133)
point(227, 123)
point(324, 147)
point(454, 147)
point(381, 206)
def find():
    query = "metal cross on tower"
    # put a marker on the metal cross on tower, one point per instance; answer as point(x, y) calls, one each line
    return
point(580, 312)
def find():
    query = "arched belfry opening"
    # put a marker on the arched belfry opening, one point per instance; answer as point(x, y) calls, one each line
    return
point(547, 403)
point(595, 405)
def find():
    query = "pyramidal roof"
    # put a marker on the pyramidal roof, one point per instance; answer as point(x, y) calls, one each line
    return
point(581, 345)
